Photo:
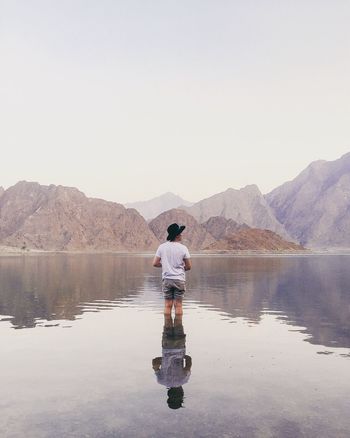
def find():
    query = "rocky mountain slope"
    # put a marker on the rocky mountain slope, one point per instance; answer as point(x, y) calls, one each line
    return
point(230, 235)
point(219, 233)
point(315, 206)
point(35, 216)
point(195, 235)
point(256, 240)
point(246, 205)
point(63, 218)
point(153, 207)
point(220, 228)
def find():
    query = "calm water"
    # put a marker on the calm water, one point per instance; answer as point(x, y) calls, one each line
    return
point(263, 348)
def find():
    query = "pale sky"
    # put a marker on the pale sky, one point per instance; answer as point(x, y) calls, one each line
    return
point(126, 100)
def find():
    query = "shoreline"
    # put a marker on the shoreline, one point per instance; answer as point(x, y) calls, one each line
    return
point(6, 251)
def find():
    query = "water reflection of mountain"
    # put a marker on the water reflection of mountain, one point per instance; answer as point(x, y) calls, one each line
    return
point(312, 292)
point(315, 293)
point(53, 287)
point(240, 287)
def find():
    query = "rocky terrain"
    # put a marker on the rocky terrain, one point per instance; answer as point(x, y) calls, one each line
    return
point(220, 228)
point(256, 240)
point(229, 235)
point(313, 209)
point(195, 235)
point(38, 217)
point(244, 206)
point(219, 234)
point(154, 207)
point(315, 206)
point(62, 218)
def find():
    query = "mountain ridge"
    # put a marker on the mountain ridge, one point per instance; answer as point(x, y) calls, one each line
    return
point(313, 209)
point(62, 218)
point(315, 206)
point(245, 206)
point(151, 208)
point(195, 236)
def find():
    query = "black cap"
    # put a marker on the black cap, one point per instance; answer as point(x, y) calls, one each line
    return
point(174, 230)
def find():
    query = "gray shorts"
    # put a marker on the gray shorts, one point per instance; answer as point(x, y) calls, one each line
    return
point(173, 289)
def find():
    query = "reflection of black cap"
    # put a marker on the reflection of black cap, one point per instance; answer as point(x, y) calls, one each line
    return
point(175, 397)
point(174, 230)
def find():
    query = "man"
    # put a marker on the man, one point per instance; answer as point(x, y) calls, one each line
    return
point(174, 259)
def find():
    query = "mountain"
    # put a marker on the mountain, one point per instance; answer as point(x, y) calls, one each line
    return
point(256, 240)
point(195, 236)
point(153, 207)
point(1, 191)
point(219, 233)
point(315, 206)
point(34, 216)
point(63, 218)
point(230, 235)
point(220, 228)
point(244, 206)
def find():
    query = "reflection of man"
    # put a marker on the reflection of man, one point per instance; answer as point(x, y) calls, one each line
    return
point(174, 259)
point(173, 369)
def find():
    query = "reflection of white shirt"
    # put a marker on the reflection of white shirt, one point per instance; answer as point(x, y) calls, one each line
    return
point(172, 255)
point(172, 373)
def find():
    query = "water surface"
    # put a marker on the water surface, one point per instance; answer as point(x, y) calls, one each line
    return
point(262, 350)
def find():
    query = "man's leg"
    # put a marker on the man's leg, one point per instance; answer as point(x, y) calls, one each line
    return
point(168, 304)
point(178, 295)
point(168, 296)
point(178, 320)
point(178, 306)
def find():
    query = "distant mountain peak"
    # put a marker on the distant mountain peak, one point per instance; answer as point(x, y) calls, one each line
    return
point(168, 194)
point(251, 188)
point(152, 208)
point(247, 188)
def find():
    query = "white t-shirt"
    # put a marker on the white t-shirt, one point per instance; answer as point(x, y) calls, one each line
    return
point(172, 255)
point(172, 373)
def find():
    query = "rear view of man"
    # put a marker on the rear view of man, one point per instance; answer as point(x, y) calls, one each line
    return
point(174, 259)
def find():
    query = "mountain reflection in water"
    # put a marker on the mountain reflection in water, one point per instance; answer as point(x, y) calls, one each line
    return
point(312, 293)
point(62, 286)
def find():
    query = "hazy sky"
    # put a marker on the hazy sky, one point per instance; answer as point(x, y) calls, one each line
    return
point(128, 99)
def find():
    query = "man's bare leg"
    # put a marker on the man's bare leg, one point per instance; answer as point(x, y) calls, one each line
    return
point(168, 304)
point(178, 306)
point(178, 319)
point(168, 321)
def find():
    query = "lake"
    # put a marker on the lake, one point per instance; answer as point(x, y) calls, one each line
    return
point(262, 350)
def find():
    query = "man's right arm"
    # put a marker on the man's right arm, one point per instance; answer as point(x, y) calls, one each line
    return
point(157, 258)
point(187, 260)
point(156, 262)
